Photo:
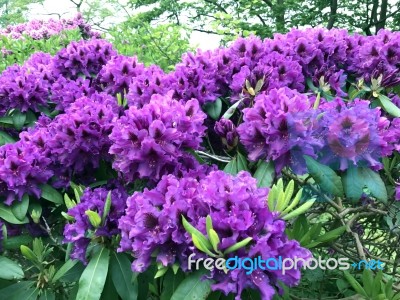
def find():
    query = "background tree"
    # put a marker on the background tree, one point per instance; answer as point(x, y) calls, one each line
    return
point(13, 11)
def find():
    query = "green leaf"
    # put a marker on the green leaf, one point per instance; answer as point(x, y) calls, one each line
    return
point(18, 119)
point(7, 215)
point(94, 218)
point(12, 292)
point(209, 225)
point(238, 245)
point(122, 276)
point(28, 253)
point(265, 174)
point(331, 235)
point(231, 110)
point(367, 281)
point(355, 179)
point(161, 272)
point(6, 120)
point(51, 194)
point(107, 206)
point(48, 295)
point(14, 242)
point(94, 276)
point(195, 232)
point(21, 290)
point(20, 208)
point(354, 284)
point(214, 239)
point(311, 85)
point(109, 291)
point(73, 274)
point(300, 210)
point(5, 138)
point(193, 287)
point(231, 167)
point(69, 264)
point(327, 179)
point(213, 109)
point(199, 244)
point(10, 270)
point(171, 282)
point(389, 106)
point(241, 162)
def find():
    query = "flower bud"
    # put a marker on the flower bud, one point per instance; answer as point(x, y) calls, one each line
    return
point(227, 131)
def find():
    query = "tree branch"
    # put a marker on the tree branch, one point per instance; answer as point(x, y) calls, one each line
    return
point(332, 16)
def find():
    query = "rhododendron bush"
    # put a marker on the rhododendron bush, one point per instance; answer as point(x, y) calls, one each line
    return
point(113, 173)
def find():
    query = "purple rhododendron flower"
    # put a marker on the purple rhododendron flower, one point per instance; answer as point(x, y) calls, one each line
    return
point(116, 76)
point(397, 192)
point(227, 132)
point(354, 133)
point(152, 225)
point(280, 127)
point(22, 169)
point(76, 232)
point(148, 141)
point(77, 140)
point(151, 81)
point(65, 91)
point(39, 29)
point(22, 89)
point(83, 58)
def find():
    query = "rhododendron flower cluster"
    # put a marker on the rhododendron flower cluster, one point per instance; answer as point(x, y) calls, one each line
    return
point(39, 29)
point(83, 58)
point(116, 76)
point(22, 169)
point(151, 81)
point(22, 89)
point(237, 208)
point(148, 141)
point(354, 134)
point(76, 232)
point(90, 116)
point(280, 127)
point(78, 139)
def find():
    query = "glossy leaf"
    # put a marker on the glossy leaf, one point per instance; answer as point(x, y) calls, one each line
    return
point(193, 287)
point(265, 174)
point(327, 179)
point(20, 208)
point(213, 109)
point(356, 179)
point(10, 270)
point(7, 215)
point(51, 194)
point(122, 276)
point(94, 276)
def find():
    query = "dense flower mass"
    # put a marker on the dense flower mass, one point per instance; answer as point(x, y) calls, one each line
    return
point(21, 88)
point(65, 92)
point(116, 76)
point(76, 232)
point(280, 127)
point(150, 82)
point(152, 224)
point(83, 58)
point(88, 114)
point(147, 142)
point(78, 139)
point(39, 29)
point(22, 169)
point(354, 134)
